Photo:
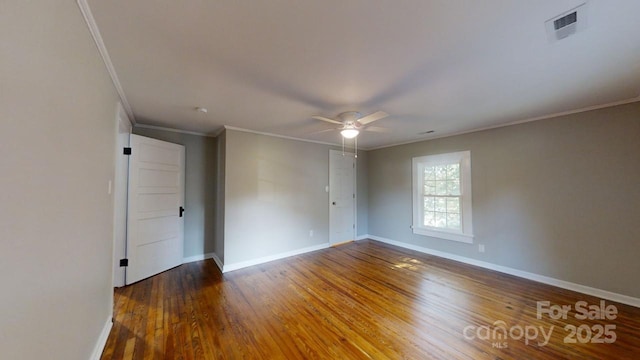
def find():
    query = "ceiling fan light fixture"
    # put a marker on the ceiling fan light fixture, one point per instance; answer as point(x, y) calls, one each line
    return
point(349, 133)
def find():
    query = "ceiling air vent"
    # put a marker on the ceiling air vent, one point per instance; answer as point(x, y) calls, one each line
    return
point(567, 23)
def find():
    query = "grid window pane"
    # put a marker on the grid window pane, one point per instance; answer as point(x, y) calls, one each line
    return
point(429, 203)
point(453, 221)
point(442, 196)
point(441, 204)
point(429, 187)
point(429, 173)
point(430, 218)
point(453, 187)
point(453, 171)
point(453, 205)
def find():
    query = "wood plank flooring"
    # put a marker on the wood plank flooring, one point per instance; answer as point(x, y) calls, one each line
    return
point(364, 300)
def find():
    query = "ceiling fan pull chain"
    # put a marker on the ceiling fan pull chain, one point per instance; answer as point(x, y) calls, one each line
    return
point(356, 151)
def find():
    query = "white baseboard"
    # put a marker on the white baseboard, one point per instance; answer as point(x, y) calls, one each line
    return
point(262, 260)
point(206, 256)
point(102, 340)
point(624, 299)
point(197, 258)
point(219, 263)
point(362, 237)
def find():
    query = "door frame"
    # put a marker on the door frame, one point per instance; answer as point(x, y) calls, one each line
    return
point(123, 129)
point(355, 192)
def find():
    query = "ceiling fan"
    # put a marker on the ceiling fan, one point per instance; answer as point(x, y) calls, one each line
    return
point(352, 122)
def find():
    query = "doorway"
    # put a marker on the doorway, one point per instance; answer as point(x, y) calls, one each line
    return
point(342, 197)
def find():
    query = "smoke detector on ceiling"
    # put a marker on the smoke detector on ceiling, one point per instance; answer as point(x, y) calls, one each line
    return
point(567, 23)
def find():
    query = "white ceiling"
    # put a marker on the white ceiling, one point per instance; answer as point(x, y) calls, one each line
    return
point(448, 66)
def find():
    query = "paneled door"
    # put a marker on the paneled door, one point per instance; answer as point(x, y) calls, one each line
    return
point(341, 196)
point(155, 218)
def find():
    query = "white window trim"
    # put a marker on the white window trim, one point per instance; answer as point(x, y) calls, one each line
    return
point(418, 165)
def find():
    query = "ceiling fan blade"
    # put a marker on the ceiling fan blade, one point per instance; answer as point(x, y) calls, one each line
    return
point(373, 117)
point(377, 129)
point(322, 118)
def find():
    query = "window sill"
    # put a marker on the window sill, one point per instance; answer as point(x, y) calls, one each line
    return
point(465, 238)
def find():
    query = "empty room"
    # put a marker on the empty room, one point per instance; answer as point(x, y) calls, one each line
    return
point(354, 179)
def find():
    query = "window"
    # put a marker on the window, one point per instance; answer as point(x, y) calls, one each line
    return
point(442, 196)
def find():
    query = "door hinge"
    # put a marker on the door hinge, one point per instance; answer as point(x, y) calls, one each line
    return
point(354, 195)
point(354, 226)
point(127, 151)
point(124, 262)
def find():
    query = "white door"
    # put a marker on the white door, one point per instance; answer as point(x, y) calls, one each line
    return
point(155, 222)
point(341, 197)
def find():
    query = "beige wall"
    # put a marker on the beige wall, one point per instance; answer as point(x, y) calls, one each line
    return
point(556, 197)
point(57, 144)
point(275, 193)
point(200, 187)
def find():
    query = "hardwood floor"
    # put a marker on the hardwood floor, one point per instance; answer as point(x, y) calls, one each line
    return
point(364, 300)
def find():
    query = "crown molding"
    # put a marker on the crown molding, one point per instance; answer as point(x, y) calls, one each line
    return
point(218, 132)
point(154, 127)
point(517, 122)
point(227, 127)
point(97, 38)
